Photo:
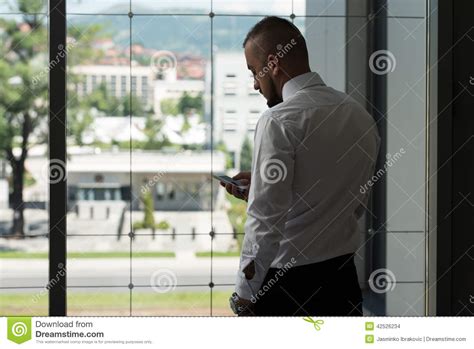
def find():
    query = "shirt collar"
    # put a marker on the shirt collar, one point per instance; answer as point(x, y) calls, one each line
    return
point(300, 82)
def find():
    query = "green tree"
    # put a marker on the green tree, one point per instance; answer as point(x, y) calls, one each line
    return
point(246, 155)
point(101, 100)
point(154, 137)
point(229, 162)
point(169, 106)
point(79, 117)
point(23, 96)
point(188, 103)
point(149, 218)
point(24, 90)
point(132, 105)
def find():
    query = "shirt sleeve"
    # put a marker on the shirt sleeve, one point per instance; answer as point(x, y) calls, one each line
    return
point(269, 200)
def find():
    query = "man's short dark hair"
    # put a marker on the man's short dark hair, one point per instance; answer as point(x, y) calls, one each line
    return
point(273, 33)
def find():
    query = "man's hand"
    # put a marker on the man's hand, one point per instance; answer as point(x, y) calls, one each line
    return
point(244, 178)
point(240, 306)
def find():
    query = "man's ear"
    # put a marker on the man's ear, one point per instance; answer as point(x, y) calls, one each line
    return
point(273, 64)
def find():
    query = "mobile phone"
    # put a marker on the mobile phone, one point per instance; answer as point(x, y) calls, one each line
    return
point(228, 180)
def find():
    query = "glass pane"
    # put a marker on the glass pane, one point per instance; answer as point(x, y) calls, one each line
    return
point(406, 150)
point(172, 193)
point(24, 302)
point(98, 150)
point(406, 125)
point(249, 7)
point(22, 267)
point(181, 301)
point(327, 51)
point(171, 7)
point(406, 8)
point(98, 302)
point(220, 301)
point(98, 261)
point(24, 177)
point(320, 7)
point(24, 6)
point(97, 7)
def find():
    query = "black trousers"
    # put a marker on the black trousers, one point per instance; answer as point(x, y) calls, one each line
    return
point(328, 288)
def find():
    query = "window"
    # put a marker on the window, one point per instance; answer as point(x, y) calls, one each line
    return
point(252, 119)
point(23, 213)
point(171, 97)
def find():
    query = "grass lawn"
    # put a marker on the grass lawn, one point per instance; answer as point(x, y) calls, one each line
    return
point(106, 303)
point(112, 254)
point(218, 254)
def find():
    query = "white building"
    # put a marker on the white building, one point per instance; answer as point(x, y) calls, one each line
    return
point(144, 82)
point(178, 181)
point(236, 104)
point(172, 88)
point(119, 79)
point(106, 129)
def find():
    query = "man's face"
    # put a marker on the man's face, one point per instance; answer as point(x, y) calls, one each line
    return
point(262, 74)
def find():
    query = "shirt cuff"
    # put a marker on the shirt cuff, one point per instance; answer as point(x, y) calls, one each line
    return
point(247, 289)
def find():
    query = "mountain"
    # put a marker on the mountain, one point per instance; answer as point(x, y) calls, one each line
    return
point(181, 34)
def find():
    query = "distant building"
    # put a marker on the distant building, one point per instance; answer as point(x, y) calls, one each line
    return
point(172, 88)
point(106, 129)
point(119, 80)
point(178, 181)
point(143, 81)
point(237, 106)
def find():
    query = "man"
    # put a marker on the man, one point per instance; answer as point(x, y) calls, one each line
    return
point(314, 148)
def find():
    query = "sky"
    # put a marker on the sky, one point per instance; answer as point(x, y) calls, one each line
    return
point(202, 6)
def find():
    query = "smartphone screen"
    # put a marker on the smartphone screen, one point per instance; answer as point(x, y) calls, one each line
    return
point(227, 179)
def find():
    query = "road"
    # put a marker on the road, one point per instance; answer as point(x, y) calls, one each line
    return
point(96, 273)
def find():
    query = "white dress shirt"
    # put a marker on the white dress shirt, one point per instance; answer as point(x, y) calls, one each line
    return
point(312, 153)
